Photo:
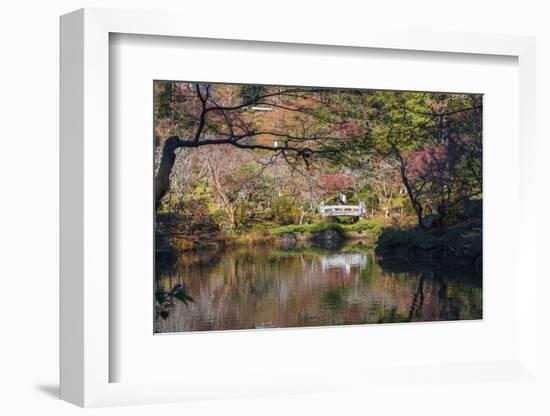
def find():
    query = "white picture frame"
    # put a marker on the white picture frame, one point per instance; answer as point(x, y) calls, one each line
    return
point(85, 219)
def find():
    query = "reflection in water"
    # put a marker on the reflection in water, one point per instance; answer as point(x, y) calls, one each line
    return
point(265, 287)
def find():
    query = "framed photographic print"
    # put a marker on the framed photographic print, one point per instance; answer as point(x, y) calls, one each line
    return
point(280, 206)
point(313, 210)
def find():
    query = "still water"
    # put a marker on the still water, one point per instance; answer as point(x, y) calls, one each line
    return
point(267, 287)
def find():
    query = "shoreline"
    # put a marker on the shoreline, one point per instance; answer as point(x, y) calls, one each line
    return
point(458, 245)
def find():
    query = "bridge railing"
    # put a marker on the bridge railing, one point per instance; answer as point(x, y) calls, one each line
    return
point(343, 210)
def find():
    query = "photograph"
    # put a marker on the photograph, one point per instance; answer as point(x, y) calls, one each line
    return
point(234, 208)
point(299, 206)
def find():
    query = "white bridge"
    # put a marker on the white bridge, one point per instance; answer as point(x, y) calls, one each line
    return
point(343, 210)
point(344, 262)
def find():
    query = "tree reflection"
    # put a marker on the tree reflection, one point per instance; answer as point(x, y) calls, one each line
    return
point(264, 287)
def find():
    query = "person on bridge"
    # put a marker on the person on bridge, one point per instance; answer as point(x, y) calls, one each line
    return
point(342, 198)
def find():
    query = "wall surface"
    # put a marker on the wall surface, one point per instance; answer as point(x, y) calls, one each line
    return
point(29, 183)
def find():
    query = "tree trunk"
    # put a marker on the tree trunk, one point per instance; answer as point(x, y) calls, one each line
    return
point(442, 213)
point(232, 218)
point(418, 208)
point(162, 179)
point(416, 205)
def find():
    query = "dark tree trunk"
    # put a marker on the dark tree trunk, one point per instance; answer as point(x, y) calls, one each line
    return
point(167, 159)
point(418, 208)
point(416, 205)
point(442, 213)
point(414, 201)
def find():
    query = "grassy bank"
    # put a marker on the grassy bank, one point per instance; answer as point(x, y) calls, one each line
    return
point(458, 245)
point(346, 230)
point(184, 243)
point(367, 230)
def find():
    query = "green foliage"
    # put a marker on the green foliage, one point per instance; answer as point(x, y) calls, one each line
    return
point(195, 215)
point(250, 93)
point(163, 99)
point(366, 226)
point(369, 227)
point(184, 297)
point(285, 210)
point(308, 228)
point(460, 243)
point(246, 215)
point(219, 216)
point(262, 228)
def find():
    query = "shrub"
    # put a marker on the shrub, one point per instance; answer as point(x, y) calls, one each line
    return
point(370, 227)
point(284, 210)
point(261, 228)
point(307, 228)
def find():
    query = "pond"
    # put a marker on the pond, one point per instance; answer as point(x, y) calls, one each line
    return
point(268, 287)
